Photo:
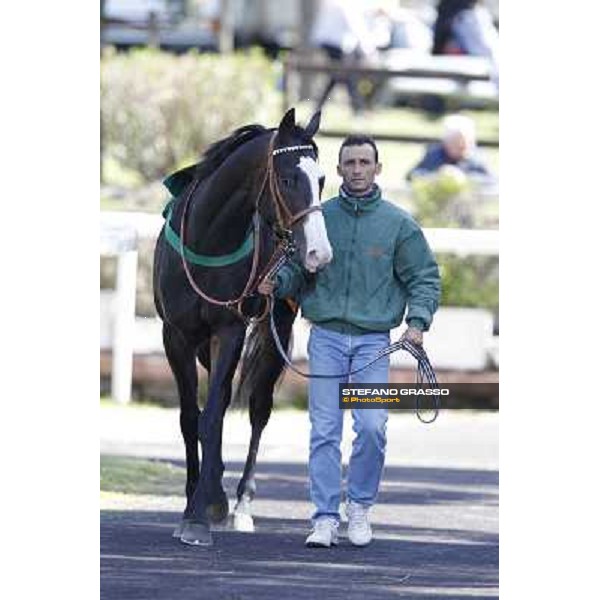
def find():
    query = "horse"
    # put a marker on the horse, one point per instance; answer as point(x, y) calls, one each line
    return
point(254, 195)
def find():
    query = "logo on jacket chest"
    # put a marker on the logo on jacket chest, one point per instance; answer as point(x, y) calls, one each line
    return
point(375, 251)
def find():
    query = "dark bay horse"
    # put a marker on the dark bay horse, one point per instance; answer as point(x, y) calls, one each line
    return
point(252, 190)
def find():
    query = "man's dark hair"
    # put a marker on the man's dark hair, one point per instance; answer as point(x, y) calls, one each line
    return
point(358, 140)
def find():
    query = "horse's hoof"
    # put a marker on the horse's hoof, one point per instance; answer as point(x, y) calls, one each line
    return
point(179, 529)
point(243, 522)
point(217, 512)
point(242, 515)
point(196, 534)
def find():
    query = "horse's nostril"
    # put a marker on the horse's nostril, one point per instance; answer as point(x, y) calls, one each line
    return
point(318, 259)
point(313, 257)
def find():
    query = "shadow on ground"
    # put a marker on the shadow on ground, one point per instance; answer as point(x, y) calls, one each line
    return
point(288, 481)
point(442, 558)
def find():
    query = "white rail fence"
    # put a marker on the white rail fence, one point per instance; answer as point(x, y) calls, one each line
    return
point(469, 329)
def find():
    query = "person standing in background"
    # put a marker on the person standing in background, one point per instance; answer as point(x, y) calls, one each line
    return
point(466, 27)
point(342, 31)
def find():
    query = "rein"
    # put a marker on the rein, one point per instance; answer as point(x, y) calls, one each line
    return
point(285, 221)
point(425, 372)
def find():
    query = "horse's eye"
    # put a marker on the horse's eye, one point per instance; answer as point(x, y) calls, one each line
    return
point(289, 182)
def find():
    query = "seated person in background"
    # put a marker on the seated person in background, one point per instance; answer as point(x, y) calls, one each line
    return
point(455, 155)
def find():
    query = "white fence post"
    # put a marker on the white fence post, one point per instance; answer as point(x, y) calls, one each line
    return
point(120, 239)
point(124, 326)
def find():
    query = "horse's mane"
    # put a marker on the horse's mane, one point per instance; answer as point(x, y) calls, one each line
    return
point(217, 153)
point(213, 157)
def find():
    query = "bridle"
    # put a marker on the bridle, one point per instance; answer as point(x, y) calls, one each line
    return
point(285, 220)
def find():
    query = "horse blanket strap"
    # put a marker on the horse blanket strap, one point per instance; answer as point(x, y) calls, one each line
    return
point(202, 259)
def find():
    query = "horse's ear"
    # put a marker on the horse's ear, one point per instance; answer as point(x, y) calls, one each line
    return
point(313, 124)
point(288, 122)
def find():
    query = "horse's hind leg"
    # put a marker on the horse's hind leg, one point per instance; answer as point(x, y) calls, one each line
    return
point(265, 371)
point(261, 402)
point(182, 359)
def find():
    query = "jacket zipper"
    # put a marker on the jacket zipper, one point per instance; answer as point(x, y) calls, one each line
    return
point(351, 261)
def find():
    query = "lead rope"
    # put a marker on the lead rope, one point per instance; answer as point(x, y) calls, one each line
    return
point(425, 371)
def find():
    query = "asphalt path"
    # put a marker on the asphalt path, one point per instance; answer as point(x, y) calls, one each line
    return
point(435, 523)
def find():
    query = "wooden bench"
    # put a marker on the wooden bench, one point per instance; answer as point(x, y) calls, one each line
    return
point(406, 73)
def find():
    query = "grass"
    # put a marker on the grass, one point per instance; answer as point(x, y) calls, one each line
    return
point(112, 204)
point(123, 475)
point(409, 121)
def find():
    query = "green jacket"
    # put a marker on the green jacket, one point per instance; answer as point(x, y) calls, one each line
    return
point(381, 263)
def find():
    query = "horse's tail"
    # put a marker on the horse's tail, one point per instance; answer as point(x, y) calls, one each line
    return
point(262, 367)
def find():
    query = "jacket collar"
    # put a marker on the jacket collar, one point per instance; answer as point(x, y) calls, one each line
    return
point(357, 204)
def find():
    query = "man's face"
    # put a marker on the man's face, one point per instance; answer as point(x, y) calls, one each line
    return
point(456, 146)
point(358, 168)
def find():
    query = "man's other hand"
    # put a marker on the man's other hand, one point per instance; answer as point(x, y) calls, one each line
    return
point(414, 335)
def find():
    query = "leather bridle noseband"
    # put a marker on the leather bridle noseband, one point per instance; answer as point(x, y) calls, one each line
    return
point(285, 220)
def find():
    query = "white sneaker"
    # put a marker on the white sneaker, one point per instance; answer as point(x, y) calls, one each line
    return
point(324, 533)
point(359, 530)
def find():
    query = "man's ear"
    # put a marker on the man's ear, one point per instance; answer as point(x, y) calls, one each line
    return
point(378, 168)
point(339, 171)
point(288, 122)
point(313, 125)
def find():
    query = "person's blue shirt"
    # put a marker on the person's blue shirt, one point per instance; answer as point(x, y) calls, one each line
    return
point(436, 157)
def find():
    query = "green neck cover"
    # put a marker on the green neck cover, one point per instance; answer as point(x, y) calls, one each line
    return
point(202, 259)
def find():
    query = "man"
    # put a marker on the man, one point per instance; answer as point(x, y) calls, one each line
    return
point(381, 263)
point(341, 30)
point(455, 154)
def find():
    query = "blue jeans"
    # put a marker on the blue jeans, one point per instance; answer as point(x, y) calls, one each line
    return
point(331, 352)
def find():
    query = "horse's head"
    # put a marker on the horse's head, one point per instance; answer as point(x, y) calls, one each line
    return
point(296, 184)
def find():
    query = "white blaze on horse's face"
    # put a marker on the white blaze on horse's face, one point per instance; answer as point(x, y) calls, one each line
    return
point(318, 248)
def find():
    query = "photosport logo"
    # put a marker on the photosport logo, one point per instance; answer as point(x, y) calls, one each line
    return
point(409, 396)
point(396, 396)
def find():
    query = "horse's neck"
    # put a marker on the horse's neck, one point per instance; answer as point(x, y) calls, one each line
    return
point(222, 210)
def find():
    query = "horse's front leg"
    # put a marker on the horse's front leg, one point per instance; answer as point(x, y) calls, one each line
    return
point(181, 356)
point(209, 502)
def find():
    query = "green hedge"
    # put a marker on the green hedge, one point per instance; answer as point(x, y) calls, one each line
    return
point(470, 281)
point(160, 111)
